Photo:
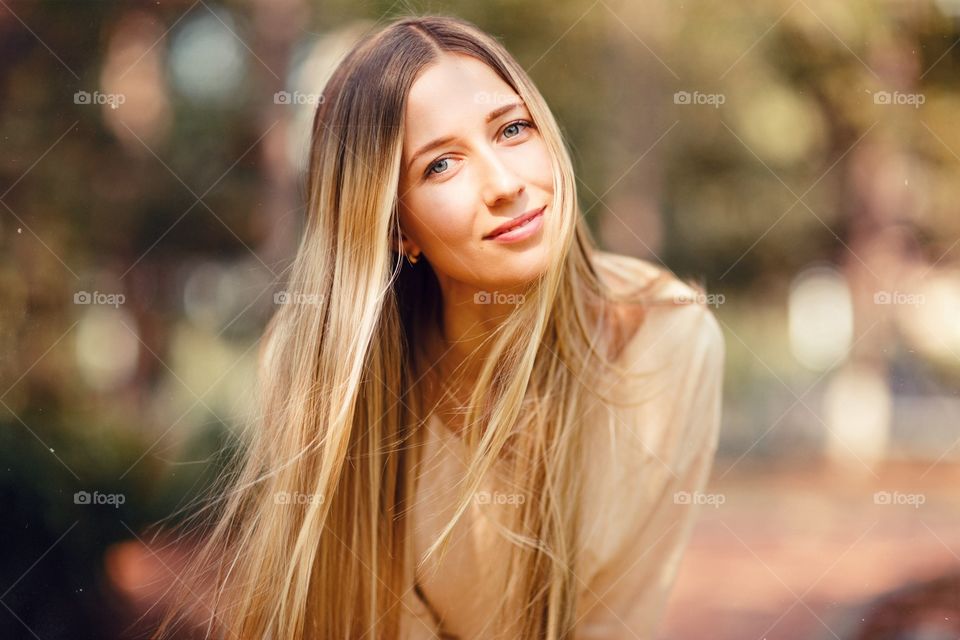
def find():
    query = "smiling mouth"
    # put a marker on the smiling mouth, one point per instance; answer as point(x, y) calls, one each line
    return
point(516, 222)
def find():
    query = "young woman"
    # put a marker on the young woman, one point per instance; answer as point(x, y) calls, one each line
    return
point(474, 423)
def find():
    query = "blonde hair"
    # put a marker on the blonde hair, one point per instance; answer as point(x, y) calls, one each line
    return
point(341, 415)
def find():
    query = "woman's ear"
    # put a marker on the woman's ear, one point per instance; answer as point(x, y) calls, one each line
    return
point(409, 246)
point(400, 240)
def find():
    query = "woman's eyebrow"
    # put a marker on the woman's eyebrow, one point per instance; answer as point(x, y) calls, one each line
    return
point(499, 111)
point(493, 115)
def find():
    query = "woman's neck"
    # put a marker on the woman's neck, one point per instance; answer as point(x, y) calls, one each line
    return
point(457, 350)
point(445, 381)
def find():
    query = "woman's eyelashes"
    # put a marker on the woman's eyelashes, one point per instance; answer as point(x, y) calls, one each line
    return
point(518, 125)
point(430, 169)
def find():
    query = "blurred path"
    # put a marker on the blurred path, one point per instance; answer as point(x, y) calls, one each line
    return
point(793, 554)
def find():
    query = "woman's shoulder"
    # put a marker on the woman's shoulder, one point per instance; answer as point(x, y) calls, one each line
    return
point(621, 272)
point(656, 437)
point(662, 426)
point(671, 369)
point(674, 321)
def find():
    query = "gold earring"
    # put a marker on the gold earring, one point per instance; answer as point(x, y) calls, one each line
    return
point(414, 258)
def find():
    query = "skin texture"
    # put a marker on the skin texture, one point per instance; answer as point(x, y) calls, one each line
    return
point(488, 174)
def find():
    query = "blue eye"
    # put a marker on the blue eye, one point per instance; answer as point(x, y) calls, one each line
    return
point(518, 123)
point(430, 169)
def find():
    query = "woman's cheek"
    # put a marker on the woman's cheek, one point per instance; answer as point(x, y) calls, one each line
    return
point(444, 221)
point(539, 165)
point(531, 163)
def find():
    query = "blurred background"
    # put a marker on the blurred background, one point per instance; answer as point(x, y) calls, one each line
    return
point(800, 157)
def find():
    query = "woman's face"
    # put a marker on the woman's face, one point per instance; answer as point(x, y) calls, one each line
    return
point(490, 166)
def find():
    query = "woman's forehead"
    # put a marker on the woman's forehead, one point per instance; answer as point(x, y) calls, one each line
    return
point(455, 90)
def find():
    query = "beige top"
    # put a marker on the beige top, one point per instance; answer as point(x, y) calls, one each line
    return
point(637, 522)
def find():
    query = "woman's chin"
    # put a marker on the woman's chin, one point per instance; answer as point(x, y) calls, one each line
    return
point(518, 273)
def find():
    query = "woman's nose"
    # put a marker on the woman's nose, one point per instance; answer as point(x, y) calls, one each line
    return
point(501, 183)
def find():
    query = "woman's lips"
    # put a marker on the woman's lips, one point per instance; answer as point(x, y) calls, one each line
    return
point(519, 228)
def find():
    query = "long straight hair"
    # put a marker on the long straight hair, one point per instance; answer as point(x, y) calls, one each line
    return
point(340, 414)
